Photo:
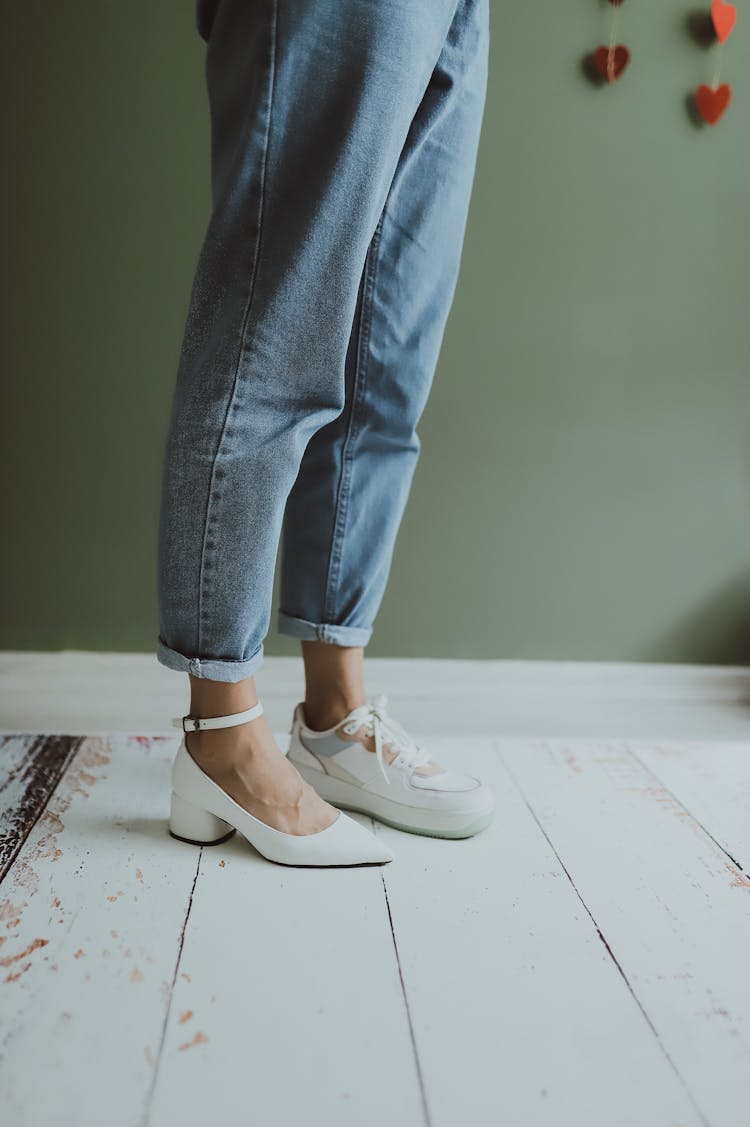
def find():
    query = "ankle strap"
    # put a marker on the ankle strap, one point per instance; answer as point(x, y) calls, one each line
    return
point(193, 724)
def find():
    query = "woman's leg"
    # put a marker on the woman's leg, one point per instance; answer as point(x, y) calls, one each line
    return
point(334, 682)
point(312, 102)
point(247, 763)
point(345, 508)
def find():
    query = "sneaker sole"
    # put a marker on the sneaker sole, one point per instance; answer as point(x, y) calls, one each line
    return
point(427, 823)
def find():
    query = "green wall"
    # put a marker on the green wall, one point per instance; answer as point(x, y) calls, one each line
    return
point(583, 485)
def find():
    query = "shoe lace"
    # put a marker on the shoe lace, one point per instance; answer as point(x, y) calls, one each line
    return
point(377, 722)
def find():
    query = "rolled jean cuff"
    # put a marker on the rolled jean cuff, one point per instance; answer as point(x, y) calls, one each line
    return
point(322, 631)
point(213, 669)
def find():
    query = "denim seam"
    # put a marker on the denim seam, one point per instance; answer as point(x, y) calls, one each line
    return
point(272, 63)
point(372, 263)
point(360, 381)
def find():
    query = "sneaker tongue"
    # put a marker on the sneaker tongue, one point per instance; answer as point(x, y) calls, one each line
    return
point(390, 744)
point(429, 769)
point(367, 740)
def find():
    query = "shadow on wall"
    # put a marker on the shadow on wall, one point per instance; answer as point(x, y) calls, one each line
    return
point(718, 633)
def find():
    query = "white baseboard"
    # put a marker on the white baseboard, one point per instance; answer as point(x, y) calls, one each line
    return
point(77, 691)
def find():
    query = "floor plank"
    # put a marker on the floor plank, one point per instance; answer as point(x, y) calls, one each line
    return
point(91, 914)
point(30, 769)
point(288, 997)
point(712, 782)
point(520, 1014)
point(672, 908)
point(581, 962)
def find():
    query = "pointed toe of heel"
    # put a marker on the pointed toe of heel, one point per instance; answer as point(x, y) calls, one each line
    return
point(354, 840)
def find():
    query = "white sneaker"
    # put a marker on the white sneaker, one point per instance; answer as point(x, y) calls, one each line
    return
point(369, 764)
point(204, 814)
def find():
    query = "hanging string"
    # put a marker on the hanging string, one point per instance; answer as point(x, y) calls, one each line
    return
point(614, 24)
point(711, 100)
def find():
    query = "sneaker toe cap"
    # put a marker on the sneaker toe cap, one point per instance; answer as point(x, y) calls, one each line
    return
point(455, 791)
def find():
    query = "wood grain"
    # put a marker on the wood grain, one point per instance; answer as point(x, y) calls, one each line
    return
point(30, 769)
point(520, 1014)
point(580, 962)
point(90, 920)
point(288, 997)
point(673, 909)
point(712, 782)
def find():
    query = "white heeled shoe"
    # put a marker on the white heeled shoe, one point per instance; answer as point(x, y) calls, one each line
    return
point(204, 814)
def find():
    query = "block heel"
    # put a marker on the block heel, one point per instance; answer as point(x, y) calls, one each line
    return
point(198, 827)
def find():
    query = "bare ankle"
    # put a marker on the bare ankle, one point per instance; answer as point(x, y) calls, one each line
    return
point(334, 682)
point(220, 698)
point(321, 715)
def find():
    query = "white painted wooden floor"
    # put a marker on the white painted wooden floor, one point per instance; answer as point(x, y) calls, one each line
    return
point(582, 962)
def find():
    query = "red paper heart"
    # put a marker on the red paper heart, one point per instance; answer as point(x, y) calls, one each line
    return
point(611, 61)
point(724, 17)
point(712, 103)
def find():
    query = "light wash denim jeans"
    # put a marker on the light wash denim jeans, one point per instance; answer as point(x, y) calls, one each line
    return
point(344, 137)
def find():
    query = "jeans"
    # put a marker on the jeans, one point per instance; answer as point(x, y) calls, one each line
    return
point(344, 136)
